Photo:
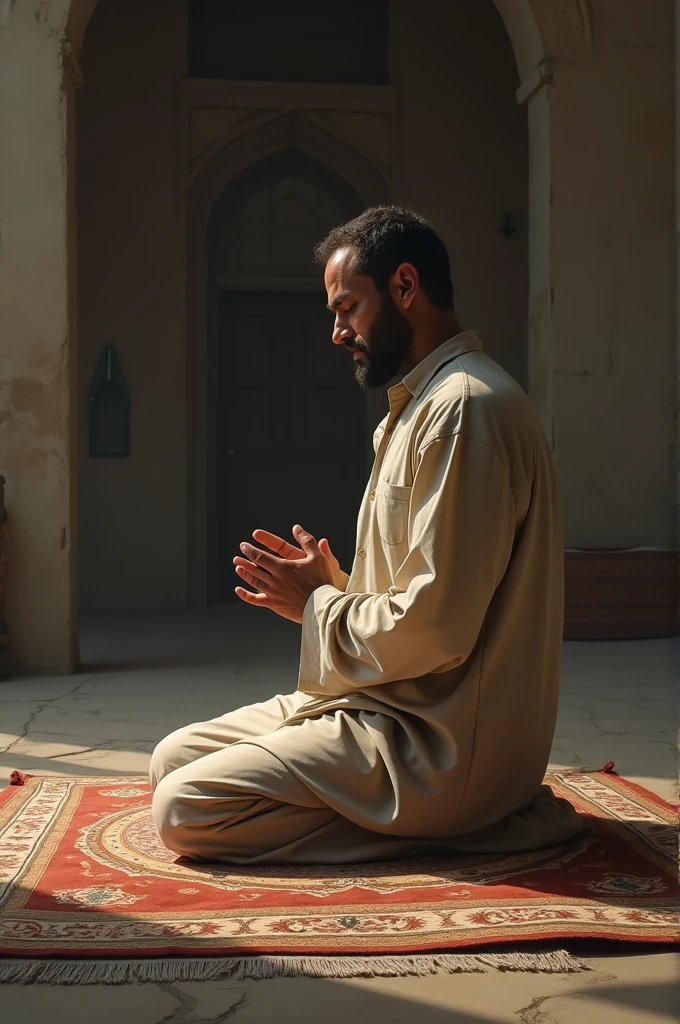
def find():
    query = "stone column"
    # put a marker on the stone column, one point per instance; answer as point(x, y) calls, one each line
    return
point(37, 335)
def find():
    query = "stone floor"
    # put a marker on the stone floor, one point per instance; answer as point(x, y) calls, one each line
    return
point(145, 675)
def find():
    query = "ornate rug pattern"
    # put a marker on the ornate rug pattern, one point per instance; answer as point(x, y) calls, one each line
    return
point(84, 875)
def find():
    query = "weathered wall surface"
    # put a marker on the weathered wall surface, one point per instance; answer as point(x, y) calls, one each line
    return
point(37, 338)
point(613, 279)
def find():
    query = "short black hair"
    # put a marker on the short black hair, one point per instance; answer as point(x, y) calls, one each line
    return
point(385, 236)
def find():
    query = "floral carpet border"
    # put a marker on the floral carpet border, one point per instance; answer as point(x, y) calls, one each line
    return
point(616, 881)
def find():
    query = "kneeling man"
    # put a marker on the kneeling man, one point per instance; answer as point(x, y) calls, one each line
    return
point(429, 676)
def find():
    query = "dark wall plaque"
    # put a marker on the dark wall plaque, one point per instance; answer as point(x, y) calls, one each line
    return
point(109, 409)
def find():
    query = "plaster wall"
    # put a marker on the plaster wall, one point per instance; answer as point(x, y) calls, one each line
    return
point(613, 280)
point(37, 339)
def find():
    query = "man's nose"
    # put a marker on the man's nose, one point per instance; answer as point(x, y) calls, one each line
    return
point(341, 335)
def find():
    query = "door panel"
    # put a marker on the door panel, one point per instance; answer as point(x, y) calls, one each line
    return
point(292, 425)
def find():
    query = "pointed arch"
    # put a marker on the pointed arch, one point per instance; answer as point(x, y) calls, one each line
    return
point(291, 133)
point(288, 131)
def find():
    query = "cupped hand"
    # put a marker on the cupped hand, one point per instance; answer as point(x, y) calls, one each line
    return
point(283, 581)
point(283, 549)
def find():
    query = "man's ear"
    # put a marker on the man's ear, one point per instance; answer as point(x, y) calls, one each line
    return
point(405, 284)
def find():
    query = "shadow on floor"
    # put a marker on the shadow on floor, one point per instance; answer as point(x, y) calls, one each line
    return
point(32, 765)
point(477, 999)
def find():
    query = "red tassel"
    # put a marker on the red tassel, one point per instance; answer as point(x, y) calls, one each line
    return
point(17, 779)
point(608, 768)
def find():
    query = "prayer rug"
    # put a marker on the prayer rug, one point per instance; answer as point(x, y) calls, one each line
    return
point(88, 893)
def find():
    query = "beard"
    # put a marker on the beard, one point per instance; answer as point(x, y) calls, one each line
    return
point(385, 348)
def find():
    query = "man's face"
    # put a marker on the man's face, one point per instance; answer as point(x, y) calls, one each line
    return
point(367, 322)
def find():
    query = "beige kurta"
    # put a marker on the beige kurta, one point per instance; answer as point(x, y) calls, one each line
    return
point(429, 677)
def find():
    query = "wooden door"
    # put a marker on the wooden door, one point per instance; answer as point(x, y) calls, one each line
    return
point(292, 426)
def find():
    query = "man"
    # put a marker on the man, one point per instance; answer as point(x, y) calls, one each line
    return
point(428, 677)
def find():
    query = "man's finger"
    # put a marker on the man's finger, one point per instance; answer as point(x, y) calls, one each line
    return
point(261, 558)
point(250, 598)
point(306, 541)
point(255, 581)
point(257, 570)
point(326, 548)
point(278, 545)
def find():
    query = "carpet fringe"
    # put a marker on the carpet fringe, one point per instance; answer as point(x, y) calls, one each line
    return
point(125, 972)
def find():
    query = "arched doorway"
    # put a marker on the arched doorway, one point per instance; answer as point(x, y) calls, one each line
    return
point(256, 208)
point(288, 419)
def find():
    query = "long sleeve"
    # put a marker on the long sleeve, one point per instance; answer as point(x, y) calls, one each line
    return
point(460, 530)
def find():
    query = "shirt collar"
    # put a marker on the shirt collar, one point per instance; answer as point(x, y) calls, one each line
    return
point(417, 378)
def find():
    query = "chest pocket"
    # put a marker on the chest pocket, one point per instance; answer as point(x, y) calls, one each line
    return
point(391, 511)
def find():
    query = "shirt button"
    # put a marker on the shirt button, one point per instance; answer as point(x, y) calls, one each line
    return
point(372, 495)
point(361, 553)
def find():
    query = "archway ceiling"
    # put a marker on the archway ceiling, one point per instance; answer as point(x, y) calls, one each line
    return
point(538, 29)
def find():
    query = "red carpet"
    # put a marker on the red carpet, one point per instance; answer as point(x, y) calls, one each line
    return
point(84, 877)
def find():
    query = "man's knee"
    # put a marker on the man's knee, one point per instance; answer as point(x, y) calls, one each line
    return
point(193, 822)
point(172, 815)
point(220, 807)
point(168, 755)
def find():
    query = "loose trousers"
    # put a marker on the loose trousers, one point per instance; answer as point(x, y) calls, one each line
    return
point(221, 795)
